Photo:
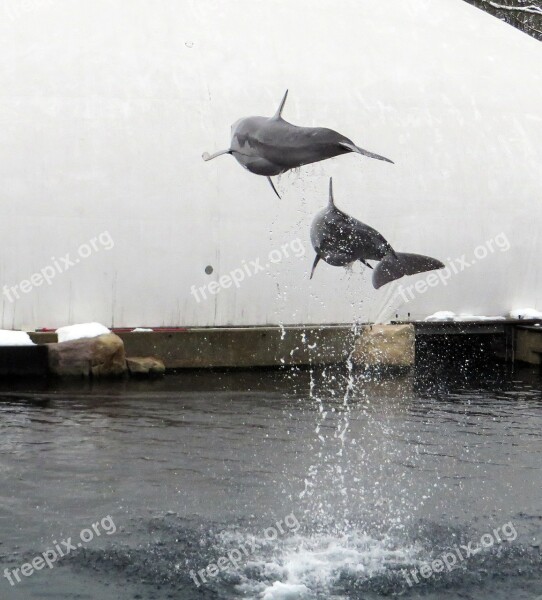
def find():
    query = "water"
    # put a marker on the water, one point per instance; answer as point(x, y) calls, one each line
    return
point(302, 484)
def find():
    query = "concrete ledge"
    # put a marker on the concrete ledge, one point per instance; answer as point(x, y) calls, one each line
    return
point(225, 347)
point(528, 345)
point(43, 337)
point(24, 361)
point(272, 346)
point(383, 346)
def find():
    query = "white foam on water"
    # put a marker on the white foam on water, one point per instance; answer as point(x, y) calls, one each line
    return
point(284, 591)
point(299, 567)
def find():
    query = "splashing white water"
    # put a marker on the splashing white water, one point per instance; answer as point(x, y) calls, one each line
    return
point(303, 566)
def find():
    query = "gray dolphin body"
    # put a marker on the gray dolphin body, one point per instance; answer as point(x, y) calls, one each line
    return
point(271, 146)
point(340, 240)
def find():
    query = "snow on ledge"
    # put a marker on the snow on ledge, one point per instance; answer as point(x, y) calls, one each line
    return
point(81, 330)
point(525, 313)
point(477, 318)
point(446, 315)
point(441, 315)
point(15, 338)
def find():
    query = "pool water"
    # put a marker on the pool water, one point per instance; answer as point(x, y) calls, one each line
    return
point(327, 483)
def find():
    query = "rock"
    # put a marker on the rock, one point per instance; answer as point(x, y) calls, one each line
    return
point(101, 356)
point(385, 346)
point(138, 365)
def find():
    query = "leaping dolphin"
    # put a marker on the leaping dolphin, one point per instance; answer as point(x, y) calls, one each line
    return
point(271, 146)
point(340, 240)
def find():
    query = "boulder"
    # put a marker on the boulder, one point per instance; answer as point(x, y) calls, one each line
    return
point(385, 346)
point(101, 356)
point(148, 365)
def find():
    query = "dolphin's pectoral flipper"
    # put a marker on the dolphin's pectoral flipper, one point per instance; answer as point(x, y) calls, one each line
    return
point(393, 267)
point(366, 263)
point(278, 114)
point(274, 188)
point(358, 150)
point(316, 261)
point(207, 156)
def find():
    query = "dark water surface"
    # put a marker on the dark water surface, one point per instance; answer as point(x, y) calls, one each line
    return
point(298, 484)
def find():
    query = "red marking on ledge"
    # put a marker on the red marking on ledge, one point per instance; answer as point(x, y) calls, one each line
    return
point(154, 329)
point(125, 329)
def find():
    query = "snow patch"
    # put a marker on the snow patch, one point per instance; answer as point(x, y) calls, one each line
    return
point(525, 313)
point(15, 338)
point(442, 315)
point(141, 329)
point(81, 330)
point(446, 315)
point(464, 317)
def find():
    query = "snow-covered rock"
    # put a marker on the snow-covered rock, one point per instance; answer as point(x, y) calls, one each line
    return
point(15, 338)
point(525, 313)
point(81, 330)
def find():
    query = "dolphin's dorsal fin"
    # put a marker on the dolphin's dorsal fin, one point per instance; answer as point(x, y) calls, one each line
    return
point(278, 114)
point(331, 201)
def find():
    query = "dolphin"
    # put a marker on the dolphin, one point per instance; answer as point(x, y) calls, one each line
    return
point(340, 240)
point(270, 145)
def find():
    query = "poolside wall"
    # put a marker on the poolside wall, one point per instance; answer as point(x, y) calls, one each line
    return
point(107, 106)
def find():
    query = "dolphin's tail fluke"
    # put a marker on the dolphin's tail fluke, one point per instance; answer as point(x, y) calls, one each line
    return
point(207, 156)
point(393, 267)
point(358, 150)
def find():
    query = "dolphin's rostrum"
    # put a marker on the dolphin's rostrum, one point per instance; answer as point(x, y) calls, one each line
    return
point(271, 146)
point(340, 240)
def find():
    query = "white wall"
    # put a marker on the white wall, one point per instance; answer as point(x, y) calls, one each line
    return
point(106, 107)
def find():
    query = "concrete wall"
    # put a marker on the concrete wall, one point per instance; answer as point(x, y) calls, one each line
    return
point(528, 345)
point(106, 107)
